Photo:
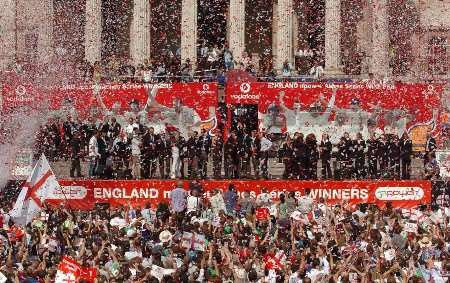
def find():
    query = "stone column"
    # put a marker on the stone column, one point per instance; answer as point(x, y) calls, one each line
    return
point(45, 42)
point(7, 34)
point(284, 33)
point(274, 33)
point(93, 31)
point(189, 31)
point(140, 32)
point(379, 59)
point(236, 28)
point(333, 37)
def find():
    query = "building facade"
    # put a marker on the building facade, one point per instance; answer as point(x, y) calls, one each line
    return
point(381, 38)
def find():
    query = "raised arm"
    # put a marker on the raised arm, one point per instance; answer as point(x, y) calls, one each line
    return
point(151, 99)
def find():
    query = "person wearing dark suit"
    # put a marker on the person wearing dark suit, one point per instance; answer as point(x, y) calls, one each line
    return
point(149, 153)
point(394, 156)
point(405, 156)
point(430, 147)
point(203, 145)
point(312, 156)
point(217, 154)
point(300, 157)
point(163, 148)
point(383, 154)
point(254, 153)
point(359, 146)
point(325, 150)
point(372, 156)
point(192, 155)
point(181, 144)
point(287, 154)
point(231, 156)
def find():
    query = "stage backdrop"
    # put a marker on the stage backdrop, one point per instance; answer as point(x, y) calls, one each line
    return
point(182, 106)
point(84, 194)
point(344, 107)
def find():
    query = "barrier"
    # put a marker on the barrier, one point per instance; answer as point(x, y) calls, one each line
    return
point(85, 194)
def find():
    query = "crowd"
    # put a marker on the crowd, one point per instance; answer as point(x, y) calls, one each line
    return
point(137, 151)
point(231, 237)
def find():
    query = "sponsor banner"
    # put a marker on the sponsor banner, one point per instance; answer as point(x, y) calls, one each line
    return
point(84, 194)
point(344, 107)
point(182, 106)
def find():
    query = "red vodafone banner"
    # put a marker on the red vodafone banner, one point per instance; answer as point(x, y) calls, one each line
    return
point(181, 106)
point(344, 107)
point(199, 96)
point(84, 194)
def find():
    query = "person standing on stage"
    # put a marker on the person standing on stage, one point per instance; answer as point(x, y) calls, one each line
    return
point(192, 155)
point(253, 145)
point(287, 152)
point(383, 154)
point(359, 146)
point(266, 145)
point(394, 156)
point(430, 147)
point(149, 153)
point(325, 150)
point(203, 145)
point(372, 156)
point(217, 154)
point(163, 150)
point(405, 156)
point(300, 150)
point(231, 157)
point(312, 156)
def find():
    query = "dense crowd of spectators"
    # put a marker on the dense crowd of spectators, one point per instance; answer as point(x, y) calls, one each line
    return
point(228, 237)
point(137, 151)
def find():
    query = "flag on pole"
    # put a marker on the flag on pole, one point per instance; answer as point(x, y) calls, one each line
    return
point(38, 186)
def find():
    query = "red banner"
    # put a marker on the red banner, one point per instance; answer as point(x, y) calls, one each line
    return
point(84, 194)
point(17, 92)
point(344, 107)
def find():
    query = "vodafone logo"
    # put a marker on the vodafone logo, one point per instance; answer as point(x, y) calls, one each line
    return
point(399, 193)
point(21, 90)
point(245, 87)
point(205, 87)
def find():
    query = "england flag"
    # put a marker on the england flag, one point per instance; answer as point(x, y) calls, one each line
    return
point(38, 186)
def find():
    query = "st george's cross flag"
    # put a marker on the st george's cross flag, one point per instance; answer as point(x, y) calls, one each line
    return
point(41, 183)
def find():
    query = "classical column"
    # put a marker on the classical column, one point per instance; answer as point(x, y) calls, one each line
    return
point(284, 33)
point(140, 32)
point(379, 61)
point(274, 33)
point(93, 31)
point(236, 28)
point(45, 39)
point(7, 34)
point(332, 37)
point(189, 31)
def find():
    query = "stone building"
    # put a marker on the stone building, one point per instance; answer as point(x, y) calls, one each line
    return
point(407, 39)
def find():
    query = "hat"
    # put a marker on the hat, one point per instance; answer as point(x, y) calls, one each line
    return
point(296, 215)
point(165, 236)
point(425, 242)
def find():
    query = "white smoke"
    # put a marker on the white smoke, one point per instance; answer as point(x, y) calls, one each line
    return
point(18, 133)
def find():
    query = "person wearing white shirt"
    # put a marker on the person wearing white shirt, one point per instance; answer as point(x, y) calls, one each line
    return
point(316, 71)
point(266, 144)
point(264, 199)
point(93, 154)
point(130, 127)
point(193, 202)
point(217, 202)
point(136, 143)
